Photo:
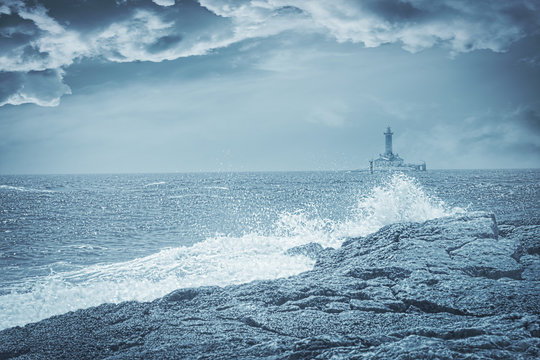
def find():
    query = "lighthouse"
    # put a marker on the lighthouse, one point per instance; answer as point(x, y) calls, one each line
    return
point(391, 161)
point(388, 142)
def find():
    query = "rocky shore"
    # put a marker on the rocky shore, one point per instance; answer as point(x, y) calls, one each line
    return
point(451, 288)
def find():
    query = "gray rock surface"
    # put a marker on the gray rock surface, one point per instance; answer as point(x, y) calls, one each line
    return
point(311, 250)
point(450, 288)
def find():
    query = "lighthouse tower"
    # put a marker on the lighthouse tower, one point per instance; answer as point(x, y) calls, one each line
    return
point(391, 161)
point(388, 160)
point(388, 142)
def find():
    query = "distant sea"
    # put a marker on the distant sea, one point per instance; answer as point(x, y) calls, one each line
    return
point(74, 241)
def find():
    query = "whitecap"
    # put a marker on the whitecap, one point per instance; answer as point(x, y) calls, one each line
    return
point(23, 189)
point(155, 183)
point(220, 260)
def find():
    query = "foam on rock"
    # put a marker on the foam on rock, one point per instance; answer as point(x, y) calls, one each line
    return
point(452, 287)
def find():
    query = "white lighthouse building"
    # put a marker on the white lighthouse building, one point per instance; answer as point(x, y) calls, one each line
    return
point(391, 161)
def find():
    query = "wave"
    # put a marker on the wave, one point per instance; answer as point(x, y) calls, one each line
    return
point(216, 187)
point(399, 199)
point(215, 196)
point(23, 189)
point(155, 183)
point(219, 260)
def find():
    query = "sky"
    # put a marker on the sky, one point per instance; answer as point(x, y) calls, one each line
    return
point(127, 86)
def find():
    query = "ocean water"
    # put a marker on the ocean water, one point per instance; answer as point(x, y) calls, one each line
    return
point(74, 241)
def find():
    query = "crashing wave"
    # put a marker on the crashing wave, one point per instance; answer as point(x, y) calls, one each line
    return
point(220, 260)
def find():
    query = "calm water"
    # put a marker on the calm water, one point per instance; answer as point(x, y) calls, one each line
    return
point(73, 241)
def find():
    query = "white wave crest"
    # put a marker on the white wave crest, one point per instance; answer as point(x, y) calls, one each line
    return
point(155, 183)
point(220, 260)
point(23, 189)
point(399, 199)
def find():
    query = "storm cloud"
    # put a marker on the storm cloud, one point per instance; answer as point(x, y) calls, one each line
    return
point(43, 88)
point(47, 37)
point(209, 85)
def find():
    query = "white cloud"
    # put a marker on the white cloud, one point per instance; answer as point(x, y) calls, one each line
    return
point(127, 41)
point(164, 2)
point(416, 24)
point(51, 47)
point(38, 15)
point(4, 9)
point(459, 25)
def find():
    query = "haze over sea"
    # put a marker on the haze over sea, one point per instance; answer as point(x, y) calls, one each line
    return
point(74, 241)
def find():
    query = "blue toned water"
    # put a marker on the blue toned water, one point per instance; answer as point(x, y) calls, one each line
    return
point(74, 241)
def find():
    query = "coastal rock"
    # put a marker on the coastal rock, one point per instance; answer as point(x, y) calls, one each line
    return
point(311, 250)
point(453, 287)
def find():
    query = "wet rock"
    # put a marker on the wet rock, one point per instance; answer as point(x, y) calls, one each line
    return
point(527, 236)
point(310, 250)
point(453, 287)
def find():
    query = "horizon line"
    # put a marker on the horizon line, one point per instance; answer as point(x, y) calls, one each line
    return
point(253, 171)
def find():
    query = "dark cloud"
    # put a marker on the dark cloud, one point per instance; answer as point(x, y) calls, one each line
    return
point(16, 31)
point(533, 61)
point(50, 35)
point(9, 84)
point(525, 148)
point(531, 119)
point(502, 133)
point(396, 11)
point(91, 14)
point(44, 88)
point(12, 24)
point(288, 10)
point(525, 14)
point(32, 53)
point(43, 35)
point(164, 43)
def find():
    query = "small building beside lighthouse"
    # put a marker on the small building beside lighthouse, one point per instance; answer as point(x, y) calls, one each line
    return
point(391, 161)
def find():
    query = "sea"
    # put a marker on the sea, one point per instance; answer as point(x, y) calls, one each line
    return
point(69, 242)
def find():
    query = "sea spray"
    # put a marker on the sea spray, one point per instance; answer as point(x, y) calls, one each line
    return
point(219, 260)
point(399, 199)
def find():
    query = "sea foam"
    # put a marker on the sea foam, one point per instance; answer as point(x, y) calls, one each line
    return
point(219, 260)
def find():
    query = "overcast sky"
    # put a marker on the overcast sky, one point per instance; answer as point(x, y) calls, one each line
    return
point(238, 85)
